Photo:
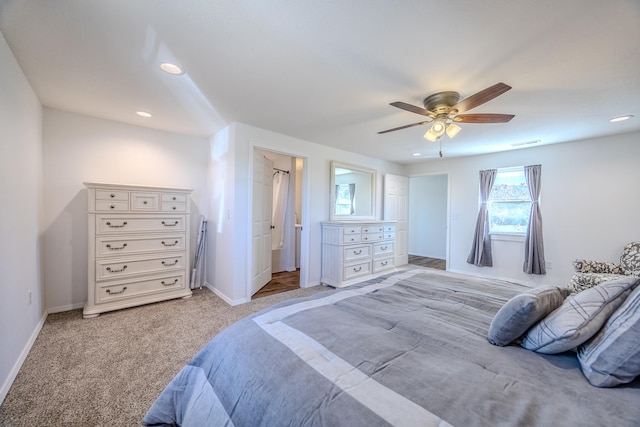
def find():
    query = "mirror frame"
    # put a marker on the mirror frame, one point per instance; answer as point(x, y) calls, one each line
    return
point(373, 176)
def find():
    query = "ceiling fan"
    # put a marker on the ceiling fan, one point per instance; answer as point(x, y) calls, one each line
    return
point(445, 110)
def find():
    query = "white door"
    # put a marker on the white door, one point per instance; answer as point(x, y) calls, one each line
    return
point(396, 208)
point(261, 221)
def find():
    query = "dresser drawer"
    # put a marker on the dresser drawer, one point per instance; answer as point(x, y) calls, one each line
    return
point(173, 207)
point(372, 237)
point(351, 238)
point(144, 202)
point(133, 245)
point(174, 198)
point(390, 228)
point(111, 224)
point(372, 229)
point(350, 230)
point(112, 195)
point(112, 205)
point(388, 235)
point(357, 270)
point(353, 253)
point(382, 264)
point(108, 269)
point(128, 289)
point(383, 248)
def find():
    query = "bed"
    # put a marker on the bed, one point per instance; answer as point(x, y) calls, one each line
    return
point(408, 349)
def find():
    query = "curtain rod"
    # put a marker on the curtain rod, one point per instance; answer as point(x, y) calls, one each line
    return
point(280, 170)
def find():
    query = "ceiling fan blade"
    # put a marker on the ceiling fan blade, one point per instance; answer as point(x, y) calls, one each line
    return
point(481, 97)
point(413, 109)
point(404, 127)
point(483, 118)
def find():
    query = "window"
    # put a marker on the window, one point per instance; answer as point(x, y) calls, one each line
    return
point(509, 203)
point(343, 199)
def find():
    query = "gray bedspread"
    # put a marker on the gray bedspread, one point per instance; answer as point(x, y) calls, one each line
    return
point(406, 349)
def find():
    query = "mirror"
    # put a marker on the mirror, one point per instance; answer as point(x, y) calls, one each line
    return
point(353, 190)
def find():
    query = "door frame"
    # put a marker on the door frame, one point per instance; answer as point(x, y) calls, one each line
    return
point(304, 217)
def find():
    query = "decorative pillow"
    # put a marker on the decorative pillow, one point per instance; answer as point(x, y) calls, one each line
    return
point(579, 318)
point(581, 281)
point(612, 357)
point(588, 266)
point(630, 259)
point(520, 312)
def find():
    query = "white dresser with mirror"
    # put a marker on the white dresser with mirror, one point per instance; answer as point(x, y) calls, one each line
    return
point(138, 248)
point(355, 246)
point(354, 251)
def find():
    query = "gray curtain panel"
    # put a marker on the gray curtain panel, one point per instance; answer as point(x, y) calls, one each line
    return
point(480, 254)
point(533, 243)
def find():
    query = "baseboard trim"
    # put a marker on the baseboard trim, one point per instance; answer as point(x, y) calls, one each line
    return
point(225, 298)
point(65, 308)
point(23, 356)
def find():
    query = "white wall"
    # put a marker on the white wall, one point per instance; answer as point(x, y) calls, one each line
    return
point(428, 216)
point(231, 170)
point(20, 219)
point(81, 149)
point(589, 204)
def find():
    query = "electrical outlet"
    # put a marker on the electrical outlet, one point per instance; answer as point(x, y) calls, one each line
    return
point(548, 265)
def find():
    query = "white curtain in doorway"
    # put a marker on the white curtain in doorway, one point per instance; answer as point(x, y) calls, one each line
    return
point(280, 195)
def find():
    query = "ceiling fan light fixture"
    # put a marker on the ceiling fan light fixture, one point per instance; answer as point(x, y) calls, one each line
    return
point(438, 127)
point(453, 129)
point(430, 136)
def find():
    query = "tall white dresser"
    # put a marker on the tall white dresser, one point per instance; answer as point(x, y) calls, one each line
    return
point(138, 246)
point(353, 252)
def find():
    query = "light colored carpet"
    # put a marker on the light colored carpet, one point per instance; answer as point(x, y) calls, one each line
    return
point(107, 371)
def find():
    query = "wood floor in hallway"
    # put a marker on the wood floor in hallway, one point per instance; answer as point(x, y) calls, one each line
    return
point(280, 282)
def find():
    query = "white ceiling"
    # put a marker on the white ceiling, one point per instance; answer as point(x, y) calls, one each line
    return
point(326, 71)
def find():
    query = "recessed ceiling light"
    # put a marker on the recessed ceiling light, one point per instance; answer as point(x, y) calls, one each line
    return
point(520, 144)
point(144, 114)
point(621, 118)
point(170, 68)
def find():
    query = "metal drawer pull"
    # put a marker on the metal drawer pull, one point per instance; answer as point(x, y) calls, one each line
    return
point(169, 244)
point(112, 207)
point(117, 226)
point(124, 245)
point(383, 263)
point(174, 208)
point(110, 292)
point(112, 195)
point(174, 197)
point(357, 252)
point(169, 284)
point(357, 269)
point(116, 271)
point(169, 225)
point(169, 265)
point(383, 248)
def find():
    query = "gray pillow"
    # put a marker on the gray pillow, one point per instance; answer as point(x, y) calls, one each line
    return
point(612, 357)
point(520, 312)
point(579, 318)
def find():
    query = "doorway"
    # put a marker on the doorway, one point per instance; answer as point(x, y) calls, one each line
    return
point(428, 219)
point(276, 257)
